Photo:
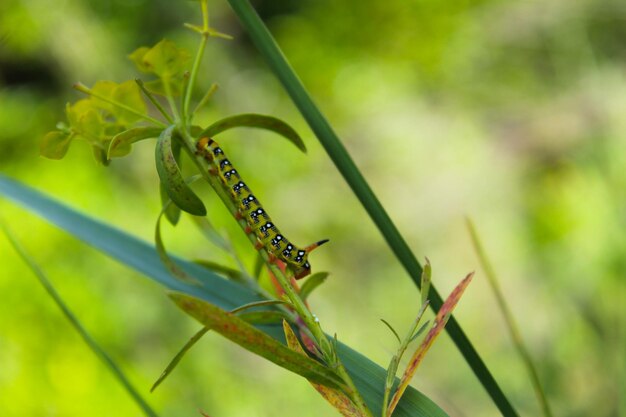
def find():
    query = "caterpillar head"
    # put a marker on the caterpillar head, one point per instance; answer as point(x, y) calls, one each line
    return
point(304, 268)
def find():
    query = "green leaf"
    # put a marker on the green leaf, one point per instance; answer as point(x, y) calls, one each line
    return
point(55, 144)
point(169, 263)
point(426, 279)
point(259, 121)
point(392, 330)
point(179, 356)
point(105, 89)
point(171, 211)
point(120, 144)
point(229, 272)
point(141, 256)
point(263, 317)
point(164, 59)
point(312, 283)
point(254, 340)
point(172, 179)
point(137, 58)
point(262, 303)
point(76, 110)
point(85, 121)
point(128, 94)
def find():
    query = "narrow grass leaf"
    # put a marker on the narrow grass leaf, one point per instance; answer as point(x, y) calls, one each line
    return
point(76, 324)
point(392, 330)
point(427, 273)
point(516, 336)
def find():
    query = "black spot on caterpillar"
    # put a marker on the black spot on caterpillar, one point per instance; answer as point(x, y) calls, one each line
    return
point(250, 209)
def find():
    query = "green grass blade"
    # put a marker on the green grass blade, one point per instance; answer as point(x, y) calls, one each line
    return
point(141, 256)
point(516, 336)
point(93, 345)
point(179, 356)
point(328, 138)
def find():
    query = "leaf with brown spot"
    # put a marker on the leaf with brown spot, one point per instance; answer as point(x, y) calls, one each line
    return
point(171, 177)
point(247, 336)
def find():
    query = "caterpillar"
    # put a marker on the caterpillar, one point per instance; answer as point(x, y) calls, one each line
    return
point(249, 208)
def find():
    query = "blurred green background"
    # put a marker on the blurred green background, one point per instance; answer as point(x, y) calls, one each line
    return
point(511, 113)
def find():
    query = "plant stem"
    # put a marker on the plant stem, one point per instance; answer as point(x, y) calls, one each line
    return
point(170, 98)
point(204, 100)
point(84, 89)
point(197, 61)
point(154, 101)
point(509, 320)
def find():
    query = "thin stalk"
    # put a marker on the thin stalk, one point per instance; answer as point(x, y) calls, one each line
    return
point(84, 89)
point(170, 98)
point(196, 64)
point(509, 320)
point(207, 96)
point(398, 356)
point(336, 151)
point(154, 101)
point(93, 345)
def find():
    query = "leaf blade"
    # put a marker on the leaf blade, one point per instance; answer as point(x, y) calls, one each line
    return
point(260, 121)
point(254, 340)
point(172, 178)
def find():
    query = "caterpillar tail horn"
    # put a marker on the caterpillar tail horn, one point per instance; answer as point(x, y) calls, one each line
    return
point(315, 245)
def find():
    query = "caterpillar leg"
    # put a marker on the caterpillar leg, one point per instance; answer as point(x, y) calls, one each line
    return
point(258, 245)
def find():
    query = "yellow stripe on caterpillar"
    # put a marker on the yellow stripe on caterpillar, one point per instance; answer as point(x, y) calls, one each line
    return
point(257, 219)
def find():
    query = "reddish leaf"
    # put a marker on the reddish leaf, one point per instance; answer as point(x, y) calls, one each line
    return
point(438, 325)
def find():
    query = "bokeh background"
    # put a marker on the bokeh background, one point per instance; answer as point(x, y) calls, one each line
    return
point(511, 113)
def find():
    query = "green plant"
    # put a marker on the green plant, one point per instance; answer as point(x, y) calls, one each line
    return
point(113, 118)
